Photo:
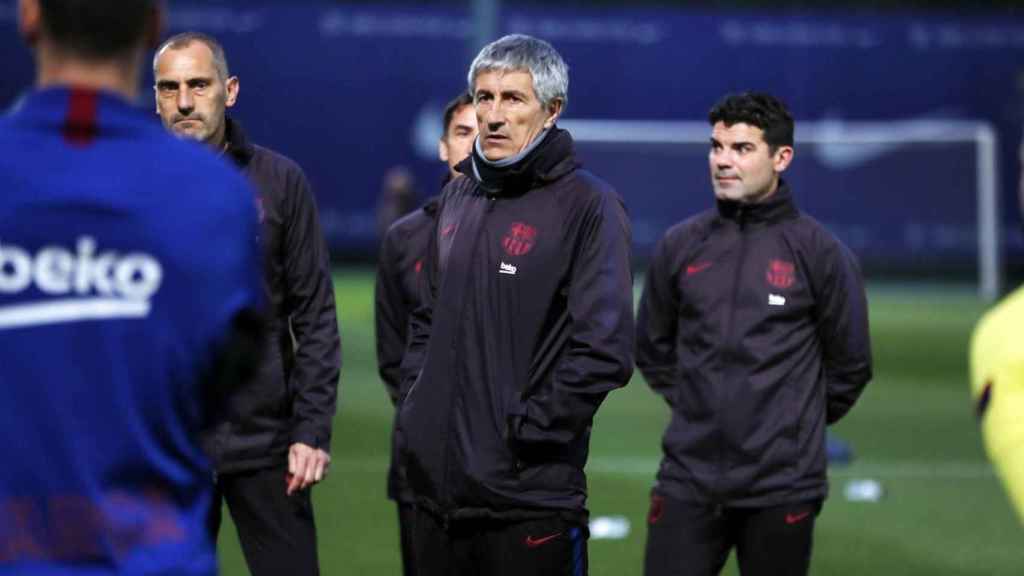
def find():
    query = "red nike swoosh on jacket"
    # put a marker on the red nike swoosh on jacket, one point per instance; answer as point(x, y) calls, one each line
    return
point(695, 268)
point(794, 518)
point(534, 542)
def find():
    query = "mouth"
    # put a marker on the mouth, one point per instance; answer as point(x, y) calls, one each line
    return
point(495, 138)
point(727, 179)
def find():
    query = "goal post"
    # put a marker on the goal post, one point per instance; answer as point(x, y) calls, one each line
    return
point(981, 136)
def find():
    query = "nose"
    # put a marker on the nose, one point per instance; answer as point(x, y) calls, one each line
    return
point(494, 118)
point(721, 158)
point(185, 102)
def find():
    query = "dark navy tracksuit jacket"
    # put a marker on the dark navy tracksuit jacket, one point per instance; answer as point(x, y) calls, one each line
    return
point(527, 325)
point(753, 325)
point(396, 295)
point(294, 395)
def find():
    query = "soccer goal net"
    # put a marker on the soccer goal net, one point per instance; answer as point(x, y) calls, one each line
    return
point(909, 197)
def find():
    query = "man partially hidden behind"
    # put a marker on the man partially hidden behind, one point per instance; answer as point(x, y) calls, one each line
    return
point(997, 386)
point(274, 440)
point(129, 291)
point(525, 327)
point(397, 295)
point(753, 325)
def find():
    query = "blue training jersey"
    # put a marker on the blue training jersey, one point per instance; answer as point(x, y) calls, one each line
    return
point(124, 255)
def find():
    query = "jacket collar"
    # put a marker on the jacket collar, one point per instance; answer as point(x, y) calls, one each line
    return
point(779, 206)
point(50, 106)
point(552, 158)
point(239, 149)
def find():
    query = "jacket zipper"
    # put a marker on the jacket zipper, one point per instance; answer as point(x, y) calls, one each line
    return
point(730, 346)
point(448, 499)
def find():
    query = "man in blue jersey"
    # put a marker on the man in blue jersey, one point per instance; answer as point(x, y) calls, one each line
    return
point(273, 442)
point(129, 280)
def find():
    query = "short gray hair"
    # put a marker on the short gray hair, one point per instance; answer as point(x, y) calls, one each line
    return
point(185, 39)
point(517, 52)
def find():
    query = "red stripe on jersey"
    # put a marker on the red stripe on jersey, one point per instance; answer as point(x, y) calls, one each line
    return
point(80, 124)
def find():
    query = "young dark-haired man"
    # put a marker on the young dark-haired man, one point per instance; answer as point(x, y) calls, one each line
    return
point(753, 326)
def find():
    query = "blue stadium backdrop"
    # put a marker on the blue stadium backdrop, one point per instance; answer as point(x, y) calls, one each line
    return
point(350, 91)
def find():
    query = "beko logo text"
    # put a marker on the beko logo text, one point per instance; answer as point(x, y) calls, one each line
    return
point(93, 284)
point(58, 271)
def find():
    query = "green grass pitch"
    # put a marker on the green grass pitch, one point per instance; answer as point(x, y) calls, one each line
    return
point(944, 511)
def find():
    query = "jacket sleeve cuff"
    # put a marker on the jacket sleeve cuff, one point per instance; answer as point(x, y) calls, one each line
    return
point(309, 436)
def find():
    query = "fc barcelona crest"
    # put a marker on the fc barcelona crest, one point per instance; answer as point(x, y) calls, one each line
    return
point(781, 274)
point(519, 239)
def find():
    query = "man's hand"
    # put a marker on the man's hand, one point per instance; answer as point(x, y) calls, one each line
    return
point(306, 466)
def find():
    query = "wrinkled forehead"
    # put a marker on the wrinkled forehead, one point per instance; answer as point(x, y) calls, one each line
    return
point(504, 79)
point(190, 61)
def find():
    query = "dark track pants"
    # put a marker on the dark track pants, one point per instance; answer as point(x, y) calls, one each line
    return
point(542, 547)
point(690, 539)
point(276, 531)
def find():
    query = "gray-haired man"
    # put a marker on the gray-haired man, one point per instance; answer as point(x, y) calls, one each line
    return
point(526, 326)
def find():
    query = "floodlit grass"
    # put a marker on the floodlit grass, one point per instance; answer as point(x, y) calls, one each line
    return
point(913, 430)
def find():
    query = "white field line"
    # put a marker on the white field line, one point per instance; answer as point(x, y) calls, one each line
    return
point(648, 467)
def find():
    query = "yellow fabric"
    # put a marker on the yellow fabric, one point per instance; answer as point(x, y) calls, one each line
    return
point(997, 359)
